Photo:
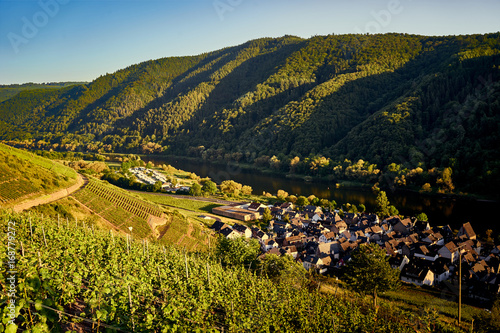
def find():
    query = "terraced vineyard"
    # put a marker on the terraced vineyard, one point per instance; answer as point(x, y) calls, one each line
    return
point(15, 189)
point(118, 208)
point(39, 161)
point(132, 205)
point(23, 174)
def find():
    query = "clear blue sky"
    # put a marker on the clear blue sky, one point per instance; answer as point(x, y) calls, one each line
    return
point(79, 40)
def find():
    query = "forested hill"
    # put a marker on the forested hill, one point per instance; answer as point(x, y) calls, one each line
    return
point(397, 101)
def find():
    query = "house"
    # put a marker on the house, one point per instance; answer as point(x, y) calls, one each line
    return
point(294, 240)
point(217, 226)
point(259, 234)
point(229, 233)
point(449, 251)
point(327, 237)
point(287, 206)
point(403, 226)
point(441, 269)
point(255, 206)
point(398, 261)
point(466, 230)
point(290, 250)
point(269, 244)
point(324, 249)
point(236, 212)
point(424, 252)
point(242, 230)
point(351, 218)
point(309, 209)
point(326, 264)
point(433, 238)
point(311, 261)
point(341, 226)
point(374, 233)
point(422, 226)
point(418, 272)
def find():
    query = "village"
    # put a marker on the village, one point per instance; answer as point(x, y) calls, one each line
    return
point(151, 177)
point(323, 240)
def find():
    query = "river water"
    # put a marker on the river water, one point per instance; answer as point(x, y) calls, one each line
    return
point(441, 211)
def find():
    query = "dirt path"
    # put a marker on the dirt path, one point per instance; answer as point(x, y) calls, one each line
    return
point(44, 199)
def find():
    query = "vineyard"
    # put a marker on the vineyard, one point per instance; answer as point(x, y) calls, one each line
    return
point(15, 189)
point(45, 163)
point(118, 208)
point(73, 278)
point(23, 174)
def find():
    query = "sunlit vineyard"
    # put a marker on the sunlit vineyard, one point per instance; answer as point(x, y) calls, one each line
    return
point(23, 175)
point(39, 161)
point(118, 208)
point(15, 189)
point(71, 277)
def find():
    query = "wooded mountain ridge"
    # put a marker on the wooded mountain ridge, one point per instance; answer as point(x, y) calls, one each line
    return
point(397, 102)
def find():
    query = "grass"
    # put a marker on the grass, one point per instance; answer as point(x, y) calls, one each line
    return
point(187, 204)
point(413, 297)
point(70, 209)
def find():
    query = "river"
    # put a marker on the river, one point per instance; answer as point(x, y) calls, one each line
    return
point(441, 211)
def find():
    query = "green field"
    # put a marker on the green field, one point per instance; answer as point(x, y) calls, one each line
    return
point(188, 204)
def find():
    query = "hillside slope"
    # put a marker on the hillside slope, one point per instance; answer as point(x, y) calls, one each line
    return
point(25, 176)
point(412, 100)
point(79, 279)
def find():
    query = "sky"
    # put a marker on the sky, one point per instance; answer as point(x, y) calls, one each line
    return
point(80, 40)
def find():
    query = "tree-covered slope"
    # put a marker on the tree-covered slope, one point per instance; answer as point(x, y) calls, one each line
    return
point(416, 101)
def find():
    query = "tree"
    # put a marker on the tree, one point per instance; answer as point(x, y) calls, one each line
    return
point(209, 187)
point(157, 186)
point(246, 190)
point(282, 195)
point(369, 271)
point(362, 208)
point(382, 205)
point(238, 251)
point(195, 190)
point(282, 269)
point(333, 204)
point(393, 211)
point(125, 166)
point(445, 181)
point(266, 216)
point(422, 217)
point(324, 203)
point(230, 186)
point(302, 201)
point(489, 237)
point(426, 187)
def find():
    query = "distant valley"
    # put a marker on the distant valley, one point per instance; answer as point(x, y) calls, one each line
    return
point(399, 110)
